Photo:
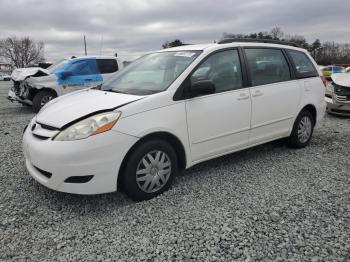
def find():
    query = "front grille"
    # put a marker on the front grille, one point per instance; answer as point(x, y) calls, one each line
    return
point(16, 87)
point(51, 128)
point(40, 137)
point(43, 172)
point(341, 111)
point(342, 93)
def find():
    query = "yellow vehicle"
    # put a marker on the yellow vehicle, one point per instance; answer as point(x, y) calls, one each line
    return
point(329, 70)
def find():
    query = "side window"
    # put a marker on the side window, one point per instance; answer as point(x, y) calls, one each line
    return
point(82, 67)
point(267, 66)
point(107, 66)
point(223, 68)
point(303, 66)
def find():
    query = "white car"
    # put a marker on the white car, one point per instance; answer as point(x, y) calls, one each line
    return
point(338, 94)
point(4, 77)
point(170, 110)
point(35, 86)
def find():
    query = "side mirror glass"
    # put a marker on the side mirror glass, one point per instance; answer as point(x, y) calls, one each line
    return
point(203, 87)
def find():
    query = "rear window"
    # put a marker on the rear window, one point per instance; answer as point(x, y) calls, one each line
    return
point(267, 66)
point(107, 66)
point(302, 64)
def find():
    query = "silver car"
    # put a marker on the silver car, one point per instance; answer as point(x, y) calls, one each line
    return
point(338, 94)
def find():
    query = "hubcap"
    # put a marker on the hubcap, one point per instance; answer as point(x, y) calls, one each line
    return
point(304, 129)
point(45, 99)
point(153, 171)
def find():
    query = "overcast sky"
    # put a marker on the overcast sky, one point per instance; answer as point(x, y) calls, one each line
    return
point(132, 27)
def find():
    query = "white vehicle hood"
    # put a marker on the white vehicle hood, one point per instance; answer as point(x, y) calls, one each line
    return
point(342, 79)
point(67, 108)
point(43, 81)
point(22, 73)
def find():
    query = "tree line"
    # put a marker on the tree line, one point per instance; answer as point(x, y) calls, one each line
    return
point(326, 53)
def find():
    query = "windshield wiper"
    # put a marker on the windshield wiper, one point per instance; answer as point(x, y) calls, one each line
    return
point(115, 91)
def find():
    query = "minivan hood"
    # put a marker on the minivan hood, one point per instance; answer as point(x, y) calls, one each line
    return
point(342, 79)
point(65, 109)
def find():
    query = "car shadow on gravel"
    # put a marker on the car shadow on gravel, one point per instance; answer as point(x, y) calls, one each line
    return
point(20, 109)
point(237, 158)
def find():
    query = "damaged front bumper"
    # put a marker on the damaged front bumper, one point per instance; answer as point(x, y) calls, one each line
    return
point(337, 108)
point(13, 97)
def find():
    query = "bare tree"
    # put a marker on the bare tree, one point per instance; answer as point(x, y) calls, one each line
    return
point(276, 33)
point(21, 52)
point(174, 43)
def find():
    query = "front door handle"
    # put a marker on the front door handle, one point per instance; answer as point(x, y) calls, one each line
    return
point(243, 96)
point(89, 79)
point(257, 93)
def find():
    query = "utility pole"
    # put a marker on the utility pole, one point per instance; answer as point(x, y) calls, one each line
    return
point(101, 44)
point(85, 45)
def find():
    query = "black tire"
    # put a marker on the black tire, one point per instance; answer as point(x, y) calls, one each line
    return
point(129, 183)
point(294, 139)
point(38, 102)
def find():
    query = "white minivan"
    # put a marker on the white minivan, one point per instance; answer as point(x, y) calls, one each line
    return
point(170, 110)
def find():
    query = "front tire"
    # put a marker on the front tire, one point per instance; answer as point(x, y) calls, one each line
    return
point(41, 98)
point(302, 130)
point(150, 170)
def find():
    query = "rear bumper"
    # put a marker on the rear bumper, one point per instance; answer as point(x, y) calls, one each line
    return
point(337, 108)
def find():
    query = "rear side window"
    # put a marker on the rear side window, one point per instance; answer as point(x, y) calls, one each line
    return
point(107, 66)
point(302, 64)
point(267, 66)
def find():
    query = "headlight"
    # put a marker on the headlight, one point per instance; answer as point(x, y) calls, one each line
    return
point(330, 87)
point(90, 126)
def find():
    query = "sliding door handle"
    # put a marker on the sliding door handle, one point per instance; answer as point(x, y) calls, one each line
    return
point(257, 93)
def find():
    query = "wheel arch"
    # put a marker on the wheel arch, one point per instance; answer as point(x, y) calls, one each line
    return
point(35, 90)
point(173, 140)
point(312, 109)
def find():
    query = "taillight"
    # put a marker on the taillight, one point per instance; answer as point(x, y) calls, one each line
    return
point(324, 80)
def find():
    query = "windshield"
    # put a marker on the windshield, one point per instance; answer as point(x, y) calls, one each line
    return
point(152, 73)
point(56, 65)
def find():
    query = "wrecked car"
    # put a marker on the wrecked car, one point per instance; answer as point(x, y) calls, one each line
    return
point(338, 94)
point(36, 86)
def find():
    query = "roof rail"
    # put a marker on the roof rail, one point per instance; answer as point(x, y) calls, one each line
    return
point(256, 40)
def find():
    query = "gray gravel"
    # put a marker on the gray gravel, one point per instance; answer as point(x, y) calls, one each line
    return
point(265, 203)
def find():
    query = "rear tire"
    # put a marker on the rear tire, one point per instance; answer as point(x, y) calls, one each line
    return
point(150, 170)
point(302, 130)
point(41, 98)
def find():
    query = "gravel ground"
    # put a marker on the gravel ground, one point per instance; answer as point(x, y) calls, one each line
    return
point(266, 203)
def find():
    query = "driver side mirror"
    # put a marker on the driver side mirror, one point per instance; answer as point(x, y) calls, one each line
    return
point(203, 87)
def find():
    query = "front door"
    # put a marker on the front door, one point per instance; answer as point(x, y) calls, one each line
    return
point(219, 123)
